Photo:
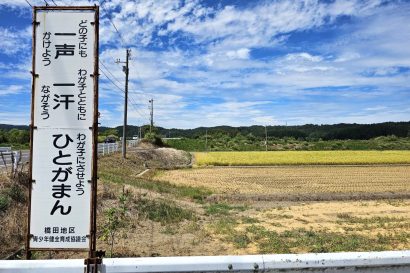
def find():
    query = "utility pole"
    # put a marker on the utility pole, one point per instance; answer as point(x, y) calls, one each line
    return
point(206, 140)
point(266, 139)
point(152, 115)
point(126, 70)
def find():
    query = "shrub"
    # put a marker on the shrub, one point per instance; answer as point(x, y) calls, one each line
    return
point(16, 193)
point(4, 202)
point(154, 139)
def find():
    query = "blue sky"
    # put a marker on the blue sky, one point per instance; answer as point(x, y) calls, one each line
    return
point(238, 63)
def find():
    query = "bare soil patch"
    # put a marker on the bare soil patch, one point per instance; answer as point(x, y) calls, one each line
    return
point(150, 156)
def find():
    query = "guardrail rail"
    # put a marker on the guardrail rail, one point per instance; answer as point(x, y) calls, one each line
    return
point(358, 262)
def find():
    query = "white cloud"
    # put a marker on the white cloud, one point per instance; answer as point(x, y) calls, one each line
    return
point(242, 53)
point(375, 108)
point(303, 56)
point(13, 3)
point(12, 90)
point(264, 120)
point(14, 41)
point(198, 62)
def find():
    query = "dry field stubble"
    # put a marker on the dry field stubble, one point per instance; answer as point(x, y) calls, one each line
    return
point(255, 227)
point(279, 216)
point(286, 182)
point(167, 219)
point(317, 227)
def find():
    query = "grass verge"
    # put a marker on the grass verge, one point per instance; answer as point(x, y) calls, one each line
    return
point(197, 194)
point(165, 212)
point(304, 240)
point(222, 208)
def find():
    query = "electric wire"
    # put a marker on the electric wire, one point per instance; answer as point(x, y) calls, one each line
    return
point(123, 42)
point(119, 35)
point(112, 23)
point(133, 103)
point(28, 3)
point(132, 100)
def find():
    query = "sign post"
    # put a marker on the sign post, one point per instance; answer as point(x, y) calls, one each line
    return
point(64, 108)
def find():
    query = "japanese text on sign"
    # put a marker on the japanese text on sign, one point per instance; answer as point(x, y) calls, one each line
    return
point(63, 117)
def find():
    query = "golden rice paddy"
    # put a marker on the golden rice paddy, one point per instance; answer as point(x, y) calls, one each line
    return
point(301, 158)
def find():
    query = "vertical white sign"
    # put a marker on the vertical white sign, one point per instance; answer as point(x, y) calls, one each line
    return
point(63, 116)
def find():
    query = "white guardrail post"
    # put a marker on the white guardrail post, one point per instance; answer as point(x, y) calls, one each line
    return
point(108, 148)
point(358, 262)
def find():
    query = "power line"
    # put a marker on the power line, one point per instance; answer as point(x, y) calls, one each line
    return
point(112, 23)
point(129, 92)
point(122, 40)
point(123, 43)
point(107, 70)
point(28, 3)
point(119, 88)
point(133, 103)
point(139, 82)
point(110, 72)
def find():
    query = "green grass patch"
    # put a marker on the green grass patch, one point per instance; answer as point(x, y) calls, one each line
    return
point(224, 226)
point(222, 209)
point(12, 193)
point(249, 220)
point(165, 212)
point(374, 222)
point(240, 240)
point(16, 193)
point(197, 194)
point(296, 240)
point(4, 202)
point(279, 216)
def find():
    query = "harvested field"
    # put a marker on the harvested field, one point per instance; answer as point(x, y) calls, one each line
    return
point(228, 211)
point(297, 182)
point(317, 227)
point(301, 158)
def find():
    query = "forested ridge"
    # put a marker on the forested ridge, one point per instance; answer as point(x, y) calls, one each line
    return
point(309, 131)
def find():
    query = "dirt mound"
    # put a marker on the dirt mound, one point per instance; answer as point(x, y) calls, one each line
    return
point(146, 145)
point(162, 158)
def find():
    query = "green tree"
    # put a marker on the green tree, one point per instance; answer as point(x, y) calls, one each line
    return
point(115, 218)
point(3, 136)
point(111, 131)
point(18, 136)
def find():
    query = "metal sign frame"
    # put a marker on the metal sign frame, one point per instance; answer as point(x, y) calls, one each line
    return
point(94, 129)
